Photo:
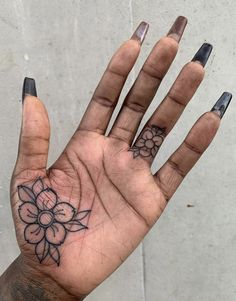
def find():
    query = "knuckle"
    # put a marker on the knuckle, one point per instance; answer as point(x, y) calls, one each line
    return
point(153, 71)
point(161, 57)
point(104, 101)
point(178, 98)
point(193, 147)
point(35, 139)
point(176, 167)
point(136, 107)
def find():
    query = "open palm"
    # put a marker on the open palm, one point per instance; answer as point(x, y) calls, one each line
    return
point(77, 221)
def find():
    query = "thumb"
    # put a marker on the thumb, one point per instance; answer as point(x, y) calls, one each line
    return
point(35, 132)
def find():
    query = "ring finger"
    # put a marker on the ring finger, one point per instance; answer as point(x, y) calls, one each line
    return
point(171, 108)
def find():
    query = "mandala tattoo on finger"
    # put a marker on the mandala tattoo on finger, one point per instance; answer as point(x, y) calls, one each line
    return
point(149, 142)
point(48, 220)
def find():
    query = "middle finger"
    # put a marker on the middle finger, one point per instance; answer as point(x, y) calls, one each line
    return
point(149, 79)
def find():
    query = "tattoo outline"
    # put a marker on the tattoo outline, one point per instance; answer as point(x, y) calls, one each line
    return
point(149, 142)
point(48, 219)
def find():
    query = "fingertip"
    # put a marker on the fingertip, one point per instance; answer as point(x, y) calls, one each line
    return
point(132, 46)
point(196, 68)
point(170, 45)
point(33, 105)
point(30, 98)
point(194, 72)
point(125, 57)
point(208, 123)
point(35, 120)
point(211, 118)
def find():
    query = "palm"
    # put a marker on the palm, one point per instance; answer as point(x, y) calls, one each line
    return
point(97, 173)
point(90, 210)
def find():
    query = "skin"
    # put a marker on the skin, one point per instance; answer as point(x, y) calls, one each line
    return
point(99, 172)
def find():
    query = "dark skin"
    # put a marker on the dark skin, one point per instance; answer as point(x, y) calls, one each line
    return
point(99, 172)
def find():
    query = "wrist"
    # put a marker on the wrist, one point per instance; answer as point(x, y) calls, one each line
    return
point(21, 282)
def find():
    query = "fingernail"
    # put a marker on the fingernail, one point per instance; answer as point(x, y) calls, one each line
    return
point(178, 28)
point(203, 54)
point(140, 32)
point(222, 104)
point(29, 88)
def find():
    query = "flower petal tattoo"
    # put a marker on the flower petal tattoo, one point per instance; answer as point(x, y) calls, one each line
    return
point(149, 142)
point(48, 220)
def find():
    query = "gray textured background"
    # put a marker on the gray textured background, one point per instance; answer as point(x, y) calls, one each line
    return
point(65, 46)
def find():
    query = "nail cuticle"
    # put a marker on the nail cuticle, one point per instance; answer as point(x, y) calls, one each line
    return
point(217, 112)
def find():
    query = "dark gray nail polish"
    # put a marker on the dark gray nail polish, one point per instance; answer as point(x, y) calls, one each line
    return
point(140, 32)
point(222, 104)
point(29, 88)
point(203, 54)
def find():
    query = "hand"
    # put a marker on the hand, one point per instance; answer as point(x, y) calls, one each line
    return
point(77, 221)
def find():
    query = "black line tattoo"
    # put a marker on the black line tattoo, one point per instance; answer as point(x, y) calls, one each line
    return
point(149, 142)
point(48, 219)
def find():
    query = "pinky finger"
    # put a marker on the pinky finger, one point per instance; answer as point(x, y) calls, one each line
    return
point(172, 173)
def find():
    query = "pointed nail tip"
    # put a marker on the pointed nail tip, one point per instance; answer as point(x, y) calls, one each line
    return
point(222, 104)
point(207, 44)
point(177, 29)
point(29, 88)
point(144, 23)
point(140, 32)
point(224, 98)
point(29, 78)
point(182, 18)
point(203, 54)
point(227, 94)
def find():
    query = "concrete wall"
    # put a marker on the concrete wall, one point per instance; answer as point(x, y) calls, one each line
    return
point(65, 46)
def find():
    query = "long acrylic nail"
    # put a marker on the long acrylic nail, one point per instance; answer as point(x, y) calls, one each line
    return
point(222, 104)
point(140, 32)
point(29, 88)
point(178, 28)
point(203, 54)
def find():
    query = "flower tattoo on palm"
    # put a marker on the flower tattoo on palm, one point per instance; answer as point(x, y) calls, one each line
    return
point(48, 220)
point(149, 142)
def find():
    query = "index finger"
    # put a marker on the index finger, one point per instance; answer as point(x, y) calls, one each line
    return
point(106, 95)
